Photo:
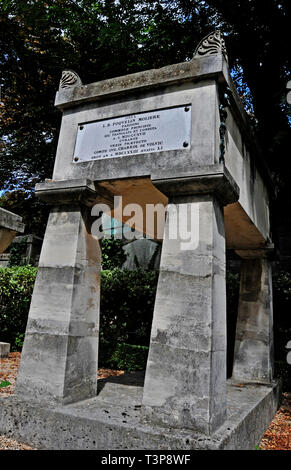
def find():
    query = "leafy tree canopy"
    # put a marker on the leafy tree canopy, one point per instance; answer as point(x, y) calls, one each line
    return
point(102, 39)
point(34, 212)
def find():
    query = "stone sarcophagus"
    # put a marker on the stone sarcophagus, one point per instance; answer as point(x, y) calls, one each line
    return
point(176, 137)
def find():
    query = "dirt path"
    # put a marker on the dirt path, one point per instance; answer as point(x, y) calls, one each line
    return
point(277, 436)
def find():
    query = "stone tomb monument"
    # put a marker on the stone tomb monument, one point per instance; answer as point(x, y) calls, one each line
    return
point(10, 225)
point(178, 134)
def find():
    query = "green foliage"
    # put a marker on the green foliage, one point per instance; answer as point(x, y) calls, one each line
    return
point(16, 285)
point(19, 340)
point(4, 383)
point(283, 371)
point(282, 325)
point(127, 302)
point(282, 320)
point(17, 252)
point(33, 212)
point(38, 40)
point(128, 357)
point(113, 255)
point(256, 31)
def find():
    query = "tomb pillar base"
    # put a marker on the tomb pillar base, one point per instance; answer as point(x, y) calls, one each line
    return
point(59, 357)
point(185, 383)
point(253, 356)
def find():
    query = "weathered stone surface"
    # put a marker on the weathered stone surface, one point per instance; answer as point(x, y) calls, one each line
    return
point(112, 421)
point(10, 221)
point(4, 349)
point(197, 69)
point(4, 259)
point(201, 149)
point(213, 179)
point(10, 224)
point(142, 253)
point(184, 402)
point(186, 371)
point(33, 245)
point(162, 89)
point(253, 356)
point(59, 357)
point(80, 191)
point(6, 237)
point(254, 197)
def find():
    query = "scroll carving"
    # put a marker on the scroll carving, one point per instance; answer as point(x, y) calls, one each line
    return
point(211, 44)
point(69, 79)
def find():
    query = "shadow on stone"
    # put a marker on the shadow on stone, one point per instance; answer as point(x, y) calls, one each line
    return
point(134, 379)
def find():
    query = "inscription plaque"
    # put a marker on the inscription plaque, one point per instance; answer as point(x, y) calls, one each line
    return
point(152, 131)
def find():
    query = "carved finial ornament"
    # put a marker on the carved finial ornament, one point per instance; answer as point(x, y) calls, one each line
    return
point(69, 79)
point(211, 44)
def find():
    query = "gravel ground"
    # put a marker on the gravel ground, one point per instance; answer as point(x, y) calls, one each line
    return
point(277, 436)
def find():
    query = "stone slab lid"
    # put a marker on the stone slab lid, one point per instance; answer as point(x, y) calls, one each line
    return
point(11, 221)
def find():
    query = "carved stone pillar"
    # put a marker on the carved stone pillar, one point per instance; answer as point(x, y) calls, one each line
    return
point(10, 224)
point(253, 355)
point(59, 357)
point(185, 383)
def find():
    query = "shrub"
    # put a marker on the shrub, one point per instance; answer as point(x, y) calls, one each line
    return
point(16, 285)
point(129, 357)
point(17, 253)
point(113, 255)
point(127, 301)
point(283, 371)
point(282, 325)
point(282, 314)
